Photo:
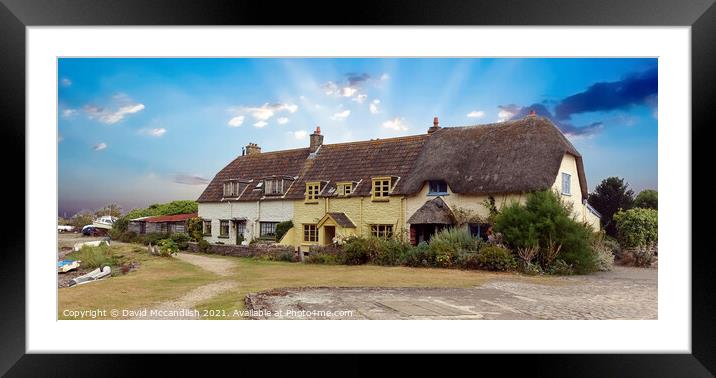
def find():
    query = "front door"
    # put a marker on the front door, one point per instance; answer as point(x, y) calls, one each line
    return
point(239, 227)
point(329, 233)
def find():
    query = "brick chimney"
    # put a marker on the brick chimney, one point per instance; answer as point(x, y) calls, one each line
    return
point(316, 139)
point(532, 117)
point(435, 127)
point(252, 148)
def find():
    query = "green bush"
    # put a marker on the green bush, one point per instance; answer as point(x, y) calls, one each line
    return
point(195, 228)
point(181, 239)
point(96, 257)
point(203, 246)
point(561, 268)
point(637, 227)
point(152, 238)
point(128, 237)
point(418, 256)
point(494, 257)
point(447, 243)
point(286, 256)
point(647, 199)
point(167, 247)
point(604, 253)
point(356, 251)
point(282, 228)
point(322, 258)
point(546, 220)
point(121, 224)
point(389, 252)
point(468, 260)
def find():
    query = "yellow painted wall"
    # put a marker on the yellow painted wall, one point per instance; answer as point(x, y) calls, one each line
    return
point(361, 210)
point(580, 210)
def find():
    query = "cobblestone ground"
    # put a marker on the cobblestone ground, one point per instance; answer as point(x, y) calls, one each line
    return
point(625, 293)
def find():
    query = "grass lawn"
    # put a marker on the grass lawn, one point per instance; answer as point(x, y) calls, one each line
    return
point(255, 275)
point(157, 279)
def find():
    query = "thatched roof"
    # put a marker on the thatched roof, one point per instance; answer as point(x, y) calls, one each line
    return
point(508, 157)
point(435, 211)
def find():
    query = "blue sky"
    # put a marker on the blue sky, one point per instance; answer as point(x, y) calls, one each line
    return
point(140, 131)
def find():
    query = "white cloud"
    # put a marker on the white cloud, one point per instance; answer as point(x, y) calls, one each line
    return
point(507, 111)
point(126, 106)
point(282, 120)
point(261, 113)
point(384, 77)
point(360, 98)
point(341, 116)
point(67, 113)
point(66, 82)
point(300, 134)
point(476, 114)
point(99, 147)
point(373, 107)
point(330, 88)
point(348, 91)
point(396, 124)
point(236, 121)
point(156, 132)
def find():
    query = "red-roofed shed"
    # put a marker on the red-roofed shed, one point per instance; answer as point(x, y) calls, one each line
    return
point(165, 224)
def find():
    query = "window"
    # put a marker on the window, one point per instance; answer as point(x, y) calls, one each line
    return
point(381, 188)
point(566, 183)
point(344, 188)
point(312, 190)
point(384, 231)
point(273, 187)
point(437, 187)
point(224, 229)
point(207, 226)
point(233, 188)
point(310, 233)
point(268, 229)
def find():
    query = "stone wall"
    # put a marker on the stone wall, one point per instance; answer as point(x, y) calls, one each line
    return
point(258, 249)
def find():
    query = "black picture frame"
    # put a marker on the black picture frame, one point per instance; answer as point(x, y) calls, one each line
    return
point(16, 15)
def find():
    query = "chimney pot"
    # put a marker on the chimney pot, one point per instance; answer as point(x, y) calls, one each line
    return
point(316, 139)
point(435, 127)
point(252, 148)
point(533, 113)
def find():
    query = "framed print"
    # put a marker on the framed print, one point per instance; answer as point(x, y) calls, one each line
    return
point(477, 178)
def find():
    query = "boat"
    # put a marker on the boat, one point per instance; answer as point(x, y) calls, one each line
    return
point(65, 266)
point(105, 222)
point(94, 243)
point(92, 276)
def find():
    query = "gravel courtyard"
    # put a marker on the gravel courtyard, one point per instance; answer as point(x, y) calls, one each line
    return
point(624, 293)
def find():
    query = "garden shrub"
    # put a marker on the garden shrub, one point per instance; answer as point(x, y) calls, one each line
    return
point(322, 258)
point(152, 238)
point(603, 250)
point(195, 228)
point(167, 247)
point(468, 260)
point(421, 255)
point(643, 255)
point(282, 228)
point(389, 252)
point(203, 246)
point(561, 268)
point(637, 227)
point(356, 251)
point(96, 257)
point(447, 243)
point(546, 220)
point(128, 237)
point(493, 257)
point(181, 239)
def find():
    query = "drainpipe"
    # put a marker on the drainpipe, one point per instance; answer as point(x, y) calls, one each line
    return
point(360, 215)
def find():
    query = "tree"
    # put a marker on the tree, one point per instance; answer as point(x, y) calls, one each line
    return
point(112, 209)
point(611, 195)
point(82, 219)
point(647, 199)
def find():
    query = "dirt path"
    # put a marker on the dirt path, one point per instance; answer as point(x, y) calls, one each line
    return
point(183, 307)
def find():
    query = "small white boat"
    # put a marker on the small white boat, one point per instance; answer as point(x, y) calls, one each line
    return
point(65, 266)
point(92, 276)
point(106, 222)
point(95, 243)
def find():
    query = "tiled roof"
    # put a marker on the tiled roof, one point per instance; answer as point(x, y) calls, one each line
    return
point(342, 220)
point(253, 169)
point(359, 162)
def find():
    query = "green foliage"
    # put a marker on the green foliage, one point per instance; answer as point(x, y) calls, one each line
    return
point(121, 225)
point(322, 258)
point(491, 206)
point(647, 199)
point(446, 244)
point(468, 260)
point(195, 228)
point(609, 196)
point(604, 252)
point(112, 209)
point(170, 208)
point(181, 239)
point(637, 227)
point(357, 251)
point(421, 255)
point(204, 246)
point(494, 257)
point(389, 252)
point(544, 220)
point(96, 257)
point(81, 219)
point(128, 237)
point(282, 228)
point(167, 247)
point(151, 238)
point(561, 268)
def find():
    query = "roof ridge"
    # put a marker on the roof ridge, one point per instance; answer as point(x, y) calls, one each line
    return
point(415, 136)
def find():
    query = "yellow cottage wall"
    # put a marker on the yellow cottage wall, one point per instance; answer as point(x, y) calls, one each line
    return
point(363, 211)
point(579, 209)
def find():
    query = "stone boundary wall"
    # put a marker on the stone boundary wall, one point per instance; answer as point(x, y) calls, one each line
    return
point(259, 249)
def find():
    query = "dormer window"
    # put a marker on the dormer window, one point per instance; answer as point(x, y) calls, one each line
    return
point(274, 186)
point(437, 188)
point(344, 188)
point(381, 188)
point(312, 191)
point(233, 188)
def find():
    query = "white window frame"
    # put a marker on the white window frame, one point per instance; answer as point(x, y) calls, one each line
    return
point(566, 189)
